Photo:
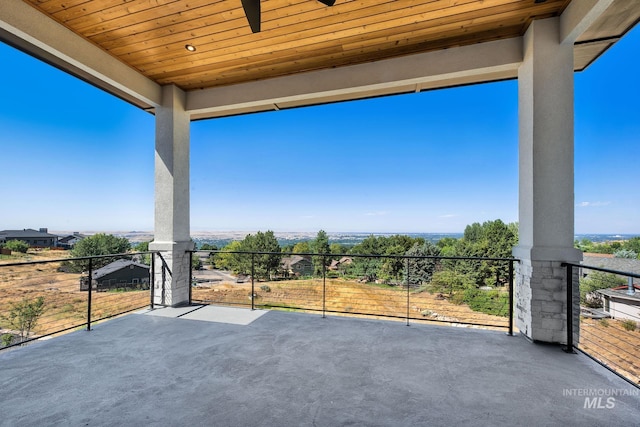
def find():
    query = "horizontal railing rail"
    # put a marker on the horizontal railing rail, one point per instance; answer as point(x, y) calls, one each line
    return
point(608, 318)
point(40, 298)
point(389, 286)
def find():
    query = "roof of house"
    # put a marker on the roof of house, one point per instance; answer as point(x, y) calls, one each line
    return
point(27, 233)
point(618, 264)
point(67, 237)
point(288, 262)
point(115, 266)
point(621, 293)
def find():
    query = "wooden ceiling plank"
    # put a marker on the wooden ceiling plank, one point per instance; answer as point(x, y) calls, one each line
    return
point(138, 11)
point(77, 11)
point(299, 56)
point(496, 14)
point(168, 35)
point(301, 35)
point(54, 6)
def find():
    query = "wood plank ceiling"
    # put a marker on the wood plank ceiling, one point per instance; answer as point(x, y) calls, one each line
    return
point(297, 35)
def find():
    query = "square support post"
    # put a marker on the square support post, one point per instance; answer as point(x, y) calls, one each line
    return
point(172, 227)
point(546, 183)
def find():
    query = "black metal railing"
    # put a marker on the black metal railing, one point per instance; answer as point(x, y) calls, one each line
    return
point(609, 317)
point(454, 290)
point(43, 297)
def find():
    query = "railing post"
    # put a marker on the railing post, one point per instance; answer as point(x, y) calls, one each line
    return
point(164, 281)
point(324, 286)
point(407, 291)
point(253, 273)
point(510, 333)
point(89, 294)
point(190, 274)
point(569, 273)
point(152, 280)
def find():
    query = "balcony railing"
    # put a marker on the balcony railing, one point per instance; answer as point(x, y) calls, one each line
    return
point(40, 298)
point(452, 290)
point(44, 297)
point(609, 318)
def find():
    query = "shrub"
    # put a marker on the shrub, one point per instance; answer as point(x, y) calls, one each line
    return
point(17, 246)
point(489, 302)
point(265, 288)
point(625, 253)
point(629, 325)
point(7, 340)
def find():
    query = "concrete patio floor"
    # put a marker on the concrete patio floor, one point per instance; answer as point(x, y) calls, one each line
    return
point(295, 369)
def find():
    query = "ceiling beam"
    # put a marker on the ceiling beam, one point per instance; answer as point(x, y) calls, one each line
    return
point(579, 16)
point(25, 28)
point(444, 68)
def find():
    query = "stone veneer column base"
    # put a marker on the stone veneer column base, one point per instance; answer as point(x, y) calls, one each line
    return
point(171, 282)
point(541, 301)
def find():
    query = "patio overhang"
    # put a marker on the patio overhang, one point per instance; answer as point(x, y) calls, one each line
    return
point(68, 36)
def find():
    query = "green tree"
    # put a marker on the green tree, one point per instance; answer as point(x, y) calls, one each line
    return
point(338, 249)
point(421, 269)
point(143, 247)
point(97, 245)
point(23, 316)
point(594, 281)
point(17, 246)
point(448, 246)
point(320, 245)
point(392, 267)
point(301, 248)
point(196, 262)
point(449, 282)
point(367, 268)
point(225, 260)
point(625, 253)
point(264, 264)
point(491, 239)
point(585, 245)
point(633, 244)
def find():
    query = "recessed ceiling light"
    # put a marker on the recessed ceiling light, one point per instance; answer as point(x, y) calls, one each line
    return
point(190, 47)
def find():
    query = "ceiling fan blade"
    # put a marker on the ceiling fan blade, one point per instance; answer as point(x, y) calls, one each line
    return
point(328, 2)
point(252, 12)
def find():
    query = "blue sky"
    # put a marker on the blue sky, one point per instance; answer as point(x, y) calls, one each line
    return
point(75, 158)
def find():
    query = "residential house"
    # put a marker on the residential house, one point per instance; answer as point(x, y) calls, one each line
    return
point(34, 238)
point(617, 302)
point(122, 273)
point(622, 302)
point(296, 265)
point(68, 241)
point(336, 264)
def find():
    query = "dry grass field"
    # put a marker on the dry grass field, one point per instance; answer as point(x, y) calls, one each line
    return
point(348, 297)
point(65, 305)
point(610, 343)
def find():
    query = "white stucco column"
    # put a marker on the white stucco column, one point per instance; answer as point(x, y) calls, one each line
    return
point(171, 233)
point(546, 173)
